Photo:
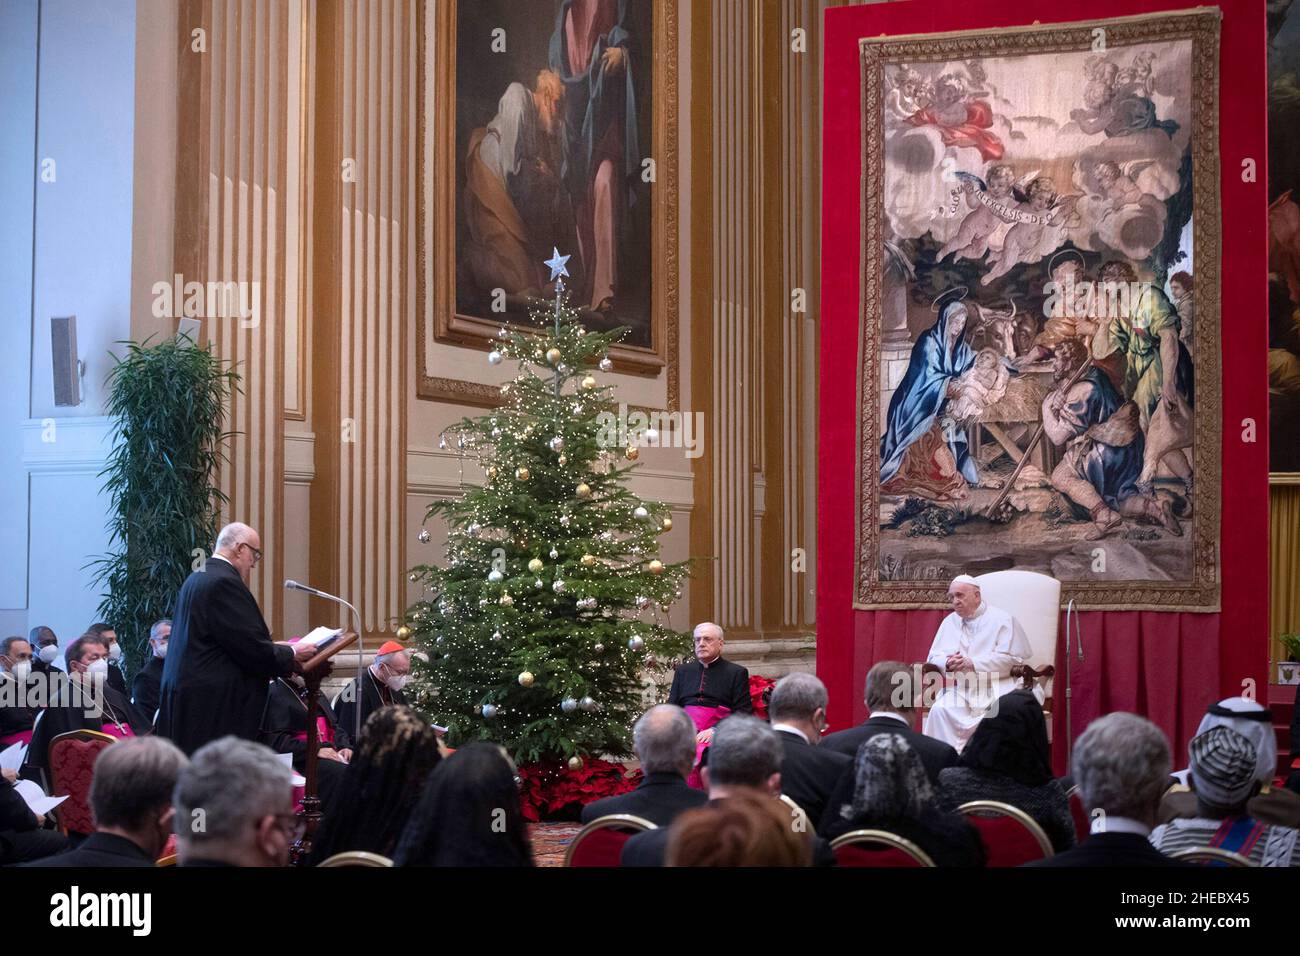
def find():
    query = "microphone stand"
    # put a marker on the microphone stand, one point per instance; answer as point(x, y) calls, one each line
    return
point(1070, 616)
point(361, 657)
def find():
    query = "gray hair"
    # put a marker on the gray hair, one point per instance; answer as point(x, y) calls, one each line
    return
point(885, 680)
point(744, 752)
point(230, 536)
point(158, 626)
point(664, 739)
point(8, 644)
point(134, 779)
point(229, 785)
point(1121, 764)
point(796, 697)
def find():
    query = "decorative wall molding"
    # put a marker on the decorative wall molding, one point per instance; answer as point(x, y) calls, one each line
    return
point(299, 458)
point(67, 446)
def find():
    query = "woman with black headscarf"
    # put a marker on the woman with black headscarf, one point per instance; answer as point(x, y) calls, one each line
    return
point(1009, 759)
point(468, 814)
point(380, 786)
point(892, 792)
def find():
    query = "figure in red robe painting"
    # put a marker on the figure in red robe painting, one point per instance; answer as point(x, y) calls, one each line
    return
point(960, 119)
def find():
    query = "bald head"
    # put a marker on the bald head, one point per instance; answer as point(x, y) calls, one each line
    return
point(241, 546)
point(708, 642)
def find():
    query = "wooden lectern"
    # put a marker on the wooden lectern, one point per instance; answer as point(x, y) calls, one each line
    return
point(313, 672)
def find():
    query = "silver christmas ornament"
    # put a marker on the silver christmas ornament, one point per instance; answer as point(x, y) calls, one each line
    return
point(489, 711)
point(503, 333)
point(640, 512)
point(636, 642)
point(474, 529)
point(587, 603)
point(564, 521)
point(442, 442)
point(556, 443)
point(558, 586)
point(495, 576)
point(494, 357)
point(599, 648)
point(642, 602)
point(606, 364)
point(554, 554)
point(587, 704)
point(496, 635)
point(538, 583)
point(562, 369)
point(568, 705)
point(423, 536)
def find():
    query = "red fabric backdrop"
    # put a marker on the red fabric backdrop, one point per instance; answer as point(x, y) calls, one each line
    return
point(1166, 666)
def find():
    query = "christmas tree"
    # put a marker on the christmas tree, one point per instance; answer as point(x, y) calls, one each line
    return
point(535, 629)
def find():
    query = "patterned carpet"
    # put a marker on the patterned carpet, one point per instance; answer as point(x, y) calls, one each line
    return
point(550, 840)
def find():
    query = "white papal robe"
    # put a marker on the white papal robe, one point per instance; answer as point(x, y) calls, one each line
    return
point(995, 643)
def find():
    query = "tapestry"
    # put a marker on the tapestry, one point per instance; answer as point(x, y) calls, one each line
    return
point(1038, 378)
point(1284, 241)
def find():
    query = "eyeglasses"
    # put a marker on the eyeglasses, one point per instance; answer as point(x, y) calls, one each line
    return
point(257, 552)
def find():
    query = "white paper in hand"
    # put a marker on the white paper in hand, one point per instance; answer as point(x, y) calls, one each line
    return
point(11, 758)
point(321, 635)
point(35, 797)
point(298, 779)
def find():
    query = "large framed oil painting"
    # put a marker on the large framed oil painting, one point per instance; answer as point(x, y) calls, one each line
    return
point(1284, 241)
point(1038, 379)
point(547, 124)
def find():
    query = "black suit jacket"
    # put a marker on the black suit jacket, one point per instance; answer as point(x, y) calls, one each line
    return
point(659, 798)
point(146, 688)
point(934, 754)
point(99, 850)
point(810, 773)
point(16, 719)
point(1111, 849)
point(372, 698)
point(117, 680)
point(725, 684)
point(219, 657)
point(650, 848)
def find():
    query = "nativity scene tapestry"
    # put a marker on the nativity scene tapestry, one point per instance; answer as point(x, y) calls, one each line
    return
point(1038, 379)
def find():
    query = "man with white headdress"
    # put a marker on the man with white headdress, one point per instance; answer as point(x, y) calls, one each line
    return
point(976, 647)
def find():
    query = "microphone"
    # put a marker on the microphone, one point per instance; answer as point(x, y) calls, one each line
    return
point(291, 585)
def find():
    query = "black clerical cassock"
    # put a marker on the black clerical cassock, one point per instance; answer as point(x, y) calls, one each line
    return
point(720, 684)
point(219, 658)
point(284, 730)
point(146, 688)
point(16, 717)
point(106, 711)
point(374, 694)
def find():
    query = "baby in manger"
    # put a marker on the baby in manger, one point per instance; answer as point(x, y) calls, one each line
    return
point(983, 385)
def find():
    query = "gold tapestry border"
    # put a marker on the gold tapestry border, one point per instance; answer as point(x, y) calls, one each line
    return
point(1201, 26)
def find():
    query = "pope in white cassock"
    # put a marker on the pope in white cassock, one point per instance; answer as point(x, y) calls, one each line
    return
point(976, 646)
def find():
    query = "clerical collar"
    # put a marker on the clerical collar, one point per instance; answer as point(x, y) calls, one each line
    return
point(1106, 823)
point(710, 663)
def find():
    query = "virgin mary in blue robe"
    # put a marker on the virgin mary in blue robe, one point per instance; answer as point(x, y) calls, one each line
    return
point(921, 396)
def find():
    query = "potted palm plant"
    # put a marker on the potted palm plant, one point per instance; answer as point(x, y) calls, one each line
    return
point(1288, 671)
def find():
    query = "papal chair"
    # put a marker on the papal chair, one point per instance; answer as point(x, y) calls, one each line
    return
point(878, 848)
point(71, 768)
point(1211, 856)
point(1011, 836)
point(601, 841)
point(1034, 600)
point(360, 858)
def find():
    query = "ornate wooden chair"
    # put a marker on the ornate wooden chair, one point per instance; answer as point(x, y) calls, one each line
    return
point(360, 858)
point(72, 767)
point(1011, 836)
point(1212, 856)
point(601, 841)
point(878, 848)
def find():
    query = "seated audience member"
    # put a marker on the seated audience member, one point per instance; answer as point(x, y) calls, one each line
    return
point(131, 798)
point(1121, 766)
point(664, 741)
point(890, 698)
point(284, 730)
point(234, 806)
point(892, 792)
point(468, 814)
point(146, 688)
point(1223, 776)
point(1293, 780)
point(116, 679)
point(45, 644)
point(746, 829)
point(709, 689)
point(22, 837)
point(16, 692)
point(809, 772)
point(1253, 721)
point(381, 785)
point(83, 702)
point(380, 685)
point(1009, 759)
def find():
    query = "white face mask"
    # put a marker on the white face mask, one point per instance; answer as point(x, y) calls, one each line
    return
point(160, 652)
point(115, 652)
point(21, 671)
point(397, 681)
point(98, 668)
point(50, 653)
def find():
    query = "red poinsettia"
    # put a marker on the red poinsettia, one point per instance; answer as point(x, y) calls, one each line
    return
point(550, 791)
point(759, 691)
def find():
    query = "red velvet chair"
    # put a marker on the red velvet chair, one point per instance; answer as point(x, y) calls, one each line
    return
point(601, 841)
point(877, 848)
point(1011, 836)
point(71, 765)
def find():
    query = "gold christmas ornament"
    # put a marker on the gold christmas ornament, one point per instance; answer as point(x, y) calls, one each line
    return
point(655, 567)
point(589, 382)
point(588, 560)
point(492, 471)
point(575, 763)
point(553, 356)
point(563, 460)
point(584, 490)
point(522, 474)
point(526, 679)
point(668, 524)
point(507, 600)
point(535, 565)
point(403, 633)
point(633, 453)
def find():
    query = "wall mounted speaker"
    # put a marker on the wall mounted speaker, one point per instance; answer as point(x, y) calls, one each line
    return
point(67, 367)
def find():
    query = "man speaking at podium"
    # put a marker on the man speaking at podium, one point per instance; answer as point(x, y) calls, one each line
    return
point(220, 655)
